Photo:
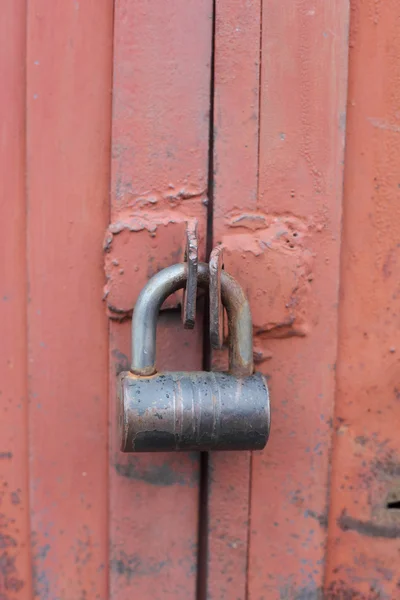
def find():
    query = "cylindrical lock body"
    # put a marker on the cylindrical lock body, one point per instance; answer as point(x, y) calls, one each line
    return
point(193, 411)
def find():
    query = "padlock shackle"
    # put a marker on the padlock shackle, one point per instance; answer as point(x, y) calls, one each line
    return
point(157, 290)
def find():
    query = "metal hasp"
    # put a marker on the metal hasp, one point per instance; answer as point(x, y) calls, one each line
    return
point(190, 287)
point(197, 410)
point(216, 305)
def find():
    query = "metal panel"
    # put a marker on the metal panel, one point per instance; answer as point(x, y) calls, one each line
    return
point(364, 534)
point(277, 174)
point(160, 134)
point(293, 281)
point(15, 578)
point(68, 136)
point(235, 173)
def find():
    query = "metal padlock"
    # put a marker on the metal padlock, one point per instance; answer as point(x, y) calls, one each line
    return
point(192, 410)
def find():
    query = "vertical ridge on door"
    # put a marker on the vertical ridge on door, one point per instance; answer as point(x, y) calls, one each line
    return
point(235, 175)
point(15, 555)
point(293, 287)
point(364, 525)
point(69, 59)
point(159, 180)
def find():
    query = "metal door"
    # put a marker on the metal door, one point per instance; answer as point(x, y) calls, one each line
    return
point(276, 126)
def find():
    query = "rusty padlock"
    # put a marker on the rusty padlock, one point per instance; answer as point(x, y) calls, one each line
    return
point(203, 410)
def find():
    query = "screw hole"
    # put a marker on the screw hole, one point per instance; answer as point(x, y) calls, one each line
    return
point(295, 234)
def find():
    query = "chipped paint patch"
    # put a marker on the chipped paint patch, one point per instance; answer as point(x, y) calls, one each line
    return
point(155, 241)
point(273, 259)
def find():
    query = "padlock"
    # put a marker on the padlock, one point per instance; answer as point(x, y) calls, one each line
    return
point(192, 410)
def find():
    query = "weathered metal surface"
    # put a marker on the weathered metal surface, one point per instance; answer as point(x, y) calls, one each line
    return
point(364, 524)
point(235, 168)
point(302, 132)
point(216, 306)
point(15, 555)
point(284, 240)
point(190, 289)
point(161, 94)
point(151, 298)
point(68, 61)
point(200, 411)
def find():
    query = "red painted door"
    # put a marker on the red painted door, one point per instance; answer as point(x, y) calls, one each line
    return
point(275, 125)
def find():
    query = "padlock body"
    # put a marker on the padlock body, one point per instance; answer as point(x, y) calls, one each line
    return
point(193, 411)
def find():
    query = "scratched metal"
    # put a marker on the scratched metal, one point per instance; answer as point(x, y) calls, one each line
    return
point(200, 411)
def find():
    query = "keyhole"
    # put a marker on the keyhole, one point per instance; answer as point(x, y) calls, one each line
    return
point(395, 505)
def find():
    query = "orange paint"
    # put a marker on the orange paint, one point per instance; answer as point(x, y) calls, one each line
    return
point(302, 117)
point(159, 179)
point(68, 155)
point(79, 520)
point(15, 576)
point(364, 535)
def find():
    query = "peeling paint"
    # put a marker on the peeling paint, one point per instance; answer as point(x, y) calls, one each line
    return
point(156, 242)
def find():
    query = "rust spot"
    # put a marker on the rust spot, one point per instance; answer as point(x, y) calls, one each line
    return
point(340, 590)
point(305, 593)
point(6, 455)
point(388, 466)
point(8, 574)
point(15, 498)
point(122, 362)
point(321, 518)
point(362, 440)
point(309, 593)
point(133, 565)
point(368, 528)
point(6, 541)
point(159, 475)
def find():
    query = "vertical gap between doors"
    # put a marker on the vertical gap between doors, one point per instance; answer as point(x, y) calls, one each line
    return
point(202, 553)
point(258, 196)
